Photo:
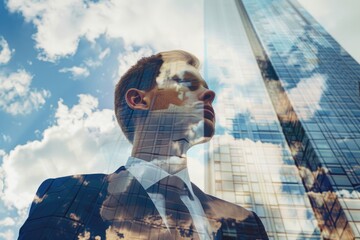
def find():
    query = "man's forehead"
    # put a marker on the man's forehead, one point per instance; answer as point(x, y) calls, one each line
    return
point(179, 69)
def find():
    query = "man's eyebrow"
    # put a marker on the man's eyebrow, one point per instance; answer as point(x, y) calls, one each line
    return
point(192, 77)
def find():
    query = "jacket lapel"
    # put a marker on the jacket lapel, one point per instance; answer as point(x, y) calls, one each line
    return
point(130, 210)
point(206, 202)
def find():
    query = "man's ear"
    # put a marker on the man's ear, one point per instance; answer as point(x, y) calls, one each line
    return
point(135, 99)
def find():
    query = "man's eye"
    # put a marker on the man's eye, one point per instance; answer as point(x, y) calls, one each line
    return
point(185, 83)
point(192, 85)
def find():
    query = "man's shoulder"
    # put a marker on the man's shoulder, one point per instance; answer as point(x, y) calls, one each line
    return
point(65, 190)
point(68, 202)
point(79, 180)
point(229, 210)
point(62, 202)
point(222, 208)
point(234, 219)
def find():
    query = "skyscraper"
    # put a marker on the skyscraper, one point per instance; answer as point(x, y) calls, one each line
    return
point(289, 125)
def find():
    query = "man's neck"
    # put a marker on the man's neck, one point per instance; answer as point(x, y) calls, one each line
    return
point(170, 164)
point(170, 156)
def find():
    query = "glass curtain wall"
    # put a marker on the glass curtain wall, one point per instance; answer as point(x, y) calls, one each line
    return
point(250, 162)
point(320, 83)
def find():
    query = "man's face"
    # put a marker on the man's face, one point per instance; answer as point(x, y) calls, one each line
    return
point(183, 98)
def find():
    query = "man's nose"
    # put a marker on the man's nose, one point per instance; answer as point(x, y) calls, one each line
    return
point(207, 96)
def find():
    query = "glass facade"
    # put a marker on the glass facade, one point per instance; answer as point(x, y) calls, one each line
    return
point(288, 144)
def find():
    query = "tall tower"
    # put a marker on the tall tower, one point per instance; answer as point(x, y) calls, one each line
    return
point(288, 108)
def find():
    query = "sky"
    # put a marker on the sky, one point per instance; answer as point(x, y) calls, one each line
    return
point(59, 62)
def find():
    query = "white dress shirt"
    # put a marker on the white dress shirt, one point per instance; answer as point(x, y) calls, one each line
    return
point(149, 174)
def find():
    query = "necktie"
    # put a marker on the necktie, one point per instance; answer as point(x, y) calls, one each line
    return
point(178, 218)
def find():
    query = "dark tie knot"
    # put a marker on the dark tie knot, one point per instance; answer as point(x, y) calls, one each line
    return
point(174, 184)
point(169, 186)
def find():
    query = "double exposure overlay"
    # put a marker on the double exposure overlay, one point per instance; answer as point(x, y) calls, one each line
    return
point(270, 117)
point(164, 107)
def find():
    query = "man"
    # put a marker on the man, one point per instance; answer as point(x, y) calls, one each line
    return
point(164, 107)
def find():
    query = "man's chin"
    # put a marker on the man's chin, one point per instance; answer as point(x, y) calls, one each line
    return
point(199, 140)
point(206, 135)
point(209, 129)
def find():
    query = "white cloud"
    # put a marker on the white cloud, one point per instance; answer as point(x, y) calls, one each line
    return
point(313, 88)
point(5, 138)
point(83, 139)
point(164, 24)
point(230, 66)
point(307, 177)
point(77, 72)
point(2, 174)
point(196, 162)
point(104, 53)
point(344, 193)
point(8, 221)
point(339, 18)
point(7, 235)
point(16, 95)
point(232, 101)
point(130, 57)
point(225, 96)
point(5, 52)
point(93, 63)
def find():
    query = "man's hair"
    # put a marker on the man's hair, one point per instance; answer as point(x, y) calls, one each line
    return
point(143, 76)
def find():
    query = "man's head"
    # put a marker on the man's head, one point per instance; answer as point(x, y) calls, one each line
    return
point(168, 82)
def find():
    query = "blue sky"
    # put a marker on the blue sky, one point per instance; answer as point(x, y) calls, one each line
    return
point(58, 66)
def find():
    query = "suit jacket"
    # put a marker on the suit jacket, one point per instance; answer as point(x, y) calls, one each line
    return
point(116, 206)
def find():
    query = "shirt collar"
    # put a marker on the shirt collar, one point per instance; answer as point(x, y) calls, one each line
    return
point(148, 173)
